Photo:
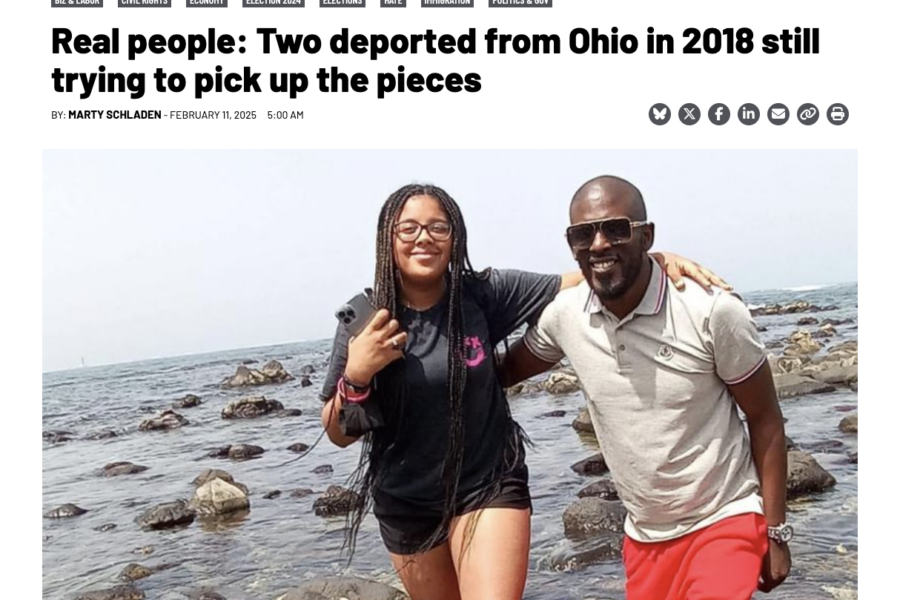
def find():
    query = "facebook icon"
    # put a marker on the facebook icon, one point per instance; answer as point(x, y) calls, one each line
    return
point(719, 114)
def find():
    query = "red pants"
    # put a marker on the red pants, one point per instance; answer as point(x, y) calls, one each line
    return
point(720, 562)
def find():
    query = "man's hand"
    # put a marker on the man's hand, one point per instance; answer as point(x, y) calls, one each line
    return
point(776, 566)
point(678, 267)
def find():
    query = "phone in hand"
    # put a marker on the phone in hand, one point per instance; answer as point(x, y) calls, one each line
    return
point(356, 314)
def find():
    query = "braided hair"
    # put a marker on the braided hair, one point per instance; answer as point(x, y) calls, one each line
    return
point(390, 384)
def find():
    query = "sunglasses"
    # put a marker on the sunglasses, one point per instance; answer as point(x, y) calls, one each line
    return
point(409, 231)
point(616, 231)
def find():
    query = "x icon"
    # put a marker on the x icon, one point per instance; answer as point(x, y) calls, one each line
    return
point(689, 113)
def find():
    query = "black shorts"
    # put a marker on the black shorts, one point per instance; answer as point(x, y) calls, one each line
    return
point(405, 527)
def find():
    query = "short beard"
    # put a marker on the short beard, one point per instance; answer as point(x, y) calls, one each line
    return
point(608, 289)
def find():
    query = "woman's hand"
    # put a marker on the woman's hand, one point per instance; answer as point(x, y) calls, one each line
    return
point(376, 347)
point(677, 267)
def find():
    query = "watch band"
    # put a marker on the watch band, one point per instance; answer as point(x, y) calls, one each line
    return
point(352, 392)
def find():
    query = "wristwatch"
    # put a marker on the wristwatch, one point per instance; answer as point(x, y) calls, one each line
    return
point(781, 533)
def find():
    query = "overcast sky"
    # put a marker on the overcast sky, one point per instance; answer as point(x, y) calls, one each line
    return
point(149, 254)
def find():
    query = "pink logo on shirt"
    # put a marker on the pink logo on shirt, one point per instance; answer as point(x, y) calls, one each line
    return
point(475, 354)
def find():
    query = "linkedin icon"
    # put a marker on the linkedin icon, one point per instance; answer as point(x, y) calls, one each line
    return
point(748, 114)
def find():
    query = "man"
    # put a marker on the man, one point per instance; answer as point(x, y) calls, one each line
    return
point(664, 373)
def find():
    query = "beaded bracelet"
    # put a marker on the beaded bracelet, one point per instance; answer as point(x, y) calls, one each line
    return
point(354, 397)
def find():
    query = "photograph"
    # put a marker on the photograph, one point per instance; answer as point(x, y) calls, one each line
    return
point(449, 374)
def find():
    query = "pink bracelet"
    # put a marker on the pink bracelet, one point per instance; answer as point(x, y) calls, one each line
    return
point(351, 396)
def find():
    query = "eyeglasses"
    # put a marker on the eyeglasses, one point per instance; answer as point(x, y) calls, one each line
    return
point(409, 231)
point(616, 231)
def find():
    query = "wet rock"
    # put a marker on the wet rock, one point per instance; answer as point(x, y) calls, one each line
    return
point(601, 551)
point(801, 343)
point(806, 321)
point(561, 382)
point(593, 465)
point(64, 512)
point(307, 370)
point(850, 424)
point(168, 514)
point(102, 435)
point(119, 592)
point(553, 414)
point(603, 489)
point(220, 452)
point(805, 475)
point(249, 361)
point(210, 474)
point(250, 408)
point(587, 516)
point(244, 451)
point(272, 495)
point(853, 457)
point(189, 401)
point(837, 375)
point(207, 595)
point(323, 470)
point(343, 588)
point(58, 436)
point(761, 328)
point(134, 571)
point(302, 493)
point(122, 468)
point(791, 445)
point(105, 527)
point(800, 306)
point(792, 385)
point(218, 497)
point(854, 385)
point(583, 421)
point(524, 387)
point(305, 381)
point(336, 501)
point(299, 447)
point(272, 372)
point(168, 419)
point(145, 550)
point(825, 331)
point(289, 412)
point(823, 447)
point(836, 322)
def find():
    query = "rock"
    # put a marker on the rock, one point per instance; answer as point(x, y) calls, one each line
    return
point(122, 468)
point(299, 447)
point(524, 387)
point(593, 465)
point(583, 421)
point(249, 361)
point(837, 375)
point(168, 514)
point(825, 331)
point(244, 451)
point(343, 588)
point(307, 370)
point(801, 343)
point(102, 435)
point(761, 328)
point(134, 571)
point(289, 412)
point(336, 501)
point(302, 493)
point(854, 385)
point(218, 497)
point(836, 322)
point(167, 419)
point(552, 414)
point(806, 321)
point(64, 512)
point(210, 474)
point(788, 309)
point(250, 408)
point(561, 382)
point(119, 592)
point(791, 445)
point(58, 436)
point(272, 495)
point(105, 527)
point(850, 424)
point(323, 470)
point(792, 385)
point(145, 550)
point(823, 447)
point(603, 489)
point(601, 551)
point(305, 381)
point(271, 373)
point(220, 452)
point(853, 457)
point(189, 401)
point(805, 475)
point(588, 516)
point(207, 595)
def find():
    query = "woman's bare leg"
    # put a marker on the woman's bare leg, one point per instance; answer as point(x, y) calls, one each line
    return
point(428, 576)
point(491, 560)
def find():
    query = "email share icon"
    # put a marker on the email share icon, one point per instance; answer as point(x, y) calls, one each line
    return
point(779, 114)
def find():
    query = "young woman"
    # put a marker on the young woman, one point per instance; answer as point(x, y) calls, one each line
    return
point(443, 462)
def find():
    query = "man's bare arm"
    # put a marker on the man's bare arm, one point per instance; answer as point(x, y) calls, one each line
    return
point(520, 364)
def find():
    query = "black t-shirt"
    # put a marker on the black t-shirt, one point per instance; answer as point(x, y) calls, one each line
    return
point(492, 309)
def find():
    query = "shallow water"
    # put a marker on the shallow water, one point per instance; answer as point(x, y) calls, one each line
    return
point(281, 542)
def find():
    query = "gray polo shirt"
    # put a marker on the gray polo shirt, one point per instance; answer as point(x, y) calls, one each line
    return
point(656, 384)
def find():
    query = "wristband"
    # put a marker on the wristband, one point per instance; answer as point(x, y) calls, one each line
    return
point(352, 393)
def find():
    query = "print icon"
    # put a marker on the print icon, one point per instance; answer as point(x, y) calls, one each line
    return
point(689, 114)
point(659, 114)
point(837, 114)
point(719, 114)
point(808, 114)
point(779, 114)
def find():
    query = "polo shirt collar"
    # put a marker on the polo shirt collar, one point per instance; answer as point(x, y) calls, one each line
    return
point(652, 301)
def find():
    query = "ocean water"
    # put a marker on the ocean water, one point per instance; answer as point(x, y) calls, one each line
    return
point(281, 542)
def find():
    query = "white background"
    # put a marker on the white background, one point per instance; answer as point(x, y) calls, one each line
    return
point(561, 101)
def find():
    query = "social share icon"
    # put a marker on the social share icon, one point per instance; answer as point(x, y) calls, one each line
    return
point(808, 114)
point(719, 114)
point(748, 114)
point(837, 114)
point(689, 114)
point(659, 114)
point(779, 114)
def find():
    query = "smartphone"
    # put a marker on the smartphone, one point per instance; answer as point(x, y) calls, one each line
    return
point(356, 314)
